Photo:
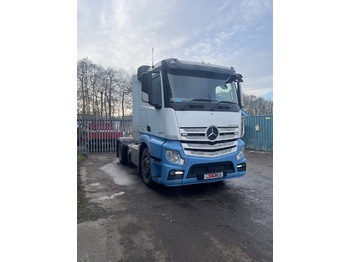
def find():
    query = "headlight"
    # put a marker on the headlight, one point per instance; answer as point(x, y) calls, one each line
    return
point(240, 154)
point(174, 157)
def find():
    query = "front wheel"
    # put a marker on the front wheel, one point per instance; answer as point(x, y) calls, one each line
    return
point(146, 168)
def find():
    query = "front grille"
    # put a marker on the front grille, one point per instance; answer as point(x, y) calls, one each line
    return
point(208, 153)
point(195, 142)
point(201, 169)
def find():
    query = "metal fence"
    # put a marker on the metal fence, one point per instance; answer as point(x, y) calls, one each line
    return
point(258, 133)
point(97, 134)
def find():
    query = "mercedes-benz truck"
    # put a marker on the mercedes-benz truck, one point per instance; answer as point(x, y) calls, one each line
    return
point(187, 124)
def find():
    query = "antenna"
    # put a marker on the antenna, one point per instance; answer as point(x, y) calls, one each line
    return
point(201, 59)
point(152, 58)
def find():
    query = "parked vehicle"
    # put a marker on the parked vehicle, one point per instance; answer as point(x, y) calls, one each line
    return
point(100, 135)
point(187, 125)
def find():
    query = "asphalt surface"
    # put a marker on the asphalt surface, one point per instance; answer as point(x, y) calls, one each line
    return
point(228, 221)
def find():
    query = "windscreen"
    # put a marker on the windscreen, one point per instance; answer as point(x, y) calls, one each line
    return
point(197, 90)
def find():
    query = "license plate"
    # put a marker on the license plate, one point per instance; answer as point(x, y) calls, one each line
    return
point(213, 175)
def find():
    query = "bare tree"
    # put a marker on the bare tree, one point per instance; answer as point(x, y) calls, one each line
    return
point(95, 83)
point(100, 91)
point(257, 105)
point(83, 68)
point(125, 91)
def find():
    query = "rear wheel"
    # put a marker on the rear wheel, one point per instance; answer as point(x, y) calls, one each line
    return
point(146, 167)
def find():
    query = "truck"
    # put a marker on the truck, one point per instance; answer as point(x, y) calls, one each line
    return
point(187, 124)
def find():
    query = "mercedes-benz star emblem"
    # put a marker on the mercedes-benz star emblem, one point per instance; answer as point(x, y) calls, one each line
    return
point(212, 132)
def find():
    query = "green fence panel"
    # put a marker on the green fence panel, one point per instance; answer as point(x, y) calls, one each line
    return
point(258, 134)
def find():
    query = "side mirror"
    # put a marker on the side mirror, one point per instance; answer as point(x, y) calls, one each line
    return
point(240, 94)
point(141, 70)
point(146, 83)
point(147, 87)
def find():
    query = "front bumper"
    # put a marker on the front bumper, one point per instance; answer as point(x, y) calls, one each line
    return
point(194, 169)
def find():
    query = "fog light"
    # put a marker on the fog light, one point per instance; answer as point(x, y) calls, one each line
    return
point(175, 174)
point(241, 167)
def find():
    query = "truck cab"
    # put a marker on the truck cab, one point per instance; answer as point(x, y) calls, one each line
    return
point(186, 124)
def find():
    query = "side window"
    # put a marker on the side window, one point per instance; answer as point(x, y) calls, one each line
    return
point(157, 90)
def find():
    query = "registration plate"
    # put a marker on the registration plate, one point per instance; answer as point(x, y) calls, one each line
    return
point(213, 175)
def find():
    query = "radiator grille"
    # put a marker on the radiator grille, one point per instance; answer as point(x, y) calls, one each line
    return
point(195, 141)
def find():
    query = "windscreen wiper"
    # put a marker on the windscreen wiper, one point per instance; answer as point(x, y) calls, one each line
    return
point(197, 105)
point(224, 102)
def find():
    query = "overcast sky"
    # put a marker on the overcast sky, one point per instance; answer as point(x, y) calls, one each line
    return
point(238, 33)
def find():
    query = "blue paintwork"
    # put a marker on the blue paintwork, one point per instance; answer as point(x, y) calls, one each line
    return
point(161, 166)
point(153, 143)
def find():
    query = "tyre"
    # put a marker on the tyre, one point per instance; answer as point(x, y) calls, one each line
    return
point(146, 168)
point(123, 154)
point(117, 150)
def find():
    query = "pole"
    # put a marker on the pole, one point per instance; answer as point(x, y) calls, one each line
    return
point(152, 58)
